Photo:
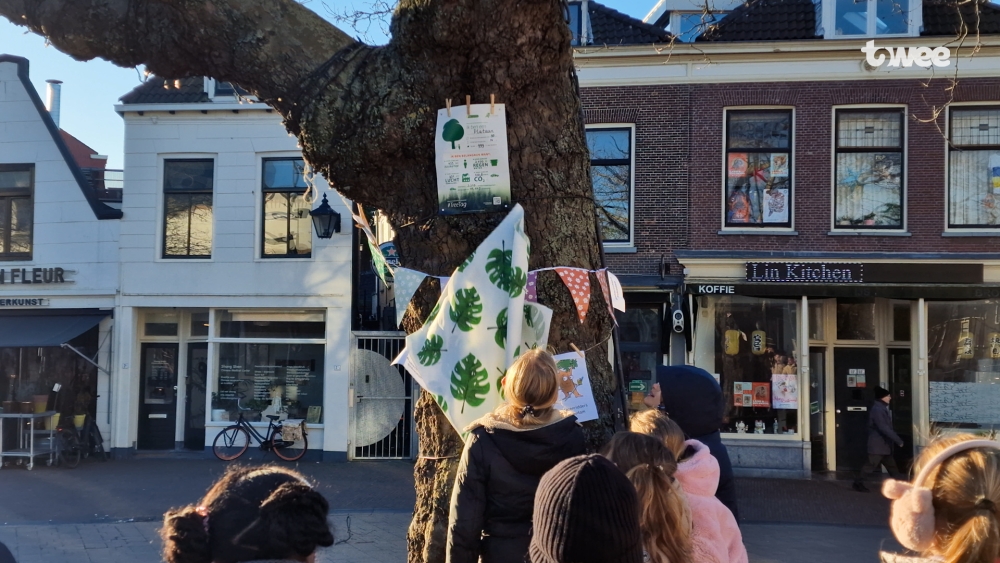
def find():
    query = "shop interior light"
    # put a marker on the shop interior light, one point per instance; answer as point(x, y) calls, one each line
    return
point(325, 219)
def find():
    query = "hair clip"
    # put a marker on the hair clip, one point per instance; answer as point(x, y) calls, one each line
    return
point(203, 512)
point(528, 409)
point(984, 503)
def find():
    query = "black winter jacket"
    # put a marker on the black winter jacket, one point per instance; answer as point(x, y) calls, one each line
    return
point(494, 494)
point(881, 436)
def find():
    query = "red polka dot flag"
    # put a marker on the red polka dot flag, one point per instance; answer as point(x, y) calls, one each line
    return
point(577, 281)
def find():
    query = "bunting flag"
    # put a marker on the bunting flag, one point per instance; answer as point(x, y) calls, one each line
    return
point(617, 296)
point(577, 280)
point(407, 282)
point(532, 292)
point(382, 267)
point(479, 325)
point(602, 278)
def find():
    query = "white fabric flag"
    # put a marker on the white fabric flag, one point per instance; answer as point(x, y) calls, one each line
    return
point(464, 348)
point(406, 283)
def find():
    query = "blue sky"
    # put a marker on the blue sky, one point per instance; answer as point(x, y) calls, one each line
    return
point(91, 89)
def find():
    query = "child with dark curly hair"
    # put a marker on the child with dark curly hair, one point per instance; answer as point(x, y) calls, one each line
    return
point(251, 514)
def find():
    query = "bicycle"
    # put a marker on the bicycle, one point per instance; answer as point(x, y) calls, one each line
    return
point(233, 441)
point(91, 441)
point(67, 444)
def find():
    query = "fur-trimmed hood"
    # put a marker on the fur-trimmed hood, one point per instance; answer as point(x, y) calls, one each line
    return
point(501, 419)
point(887, 557)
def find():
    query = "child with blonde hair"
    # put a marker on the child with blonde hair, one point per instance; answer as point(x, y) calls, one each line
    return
point(949, 512)
point(698, 476)
point(506, 454)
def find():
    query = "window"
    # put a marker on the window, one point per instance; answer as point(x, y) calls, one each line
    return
point(16, 213)
point(689, 25)
point(611, 174)
point(160, 324)
point(575, 20)
point(287, 226)
point(872, 17)
point(640, 339)
point(868, 183)
point(974, 168)
point(187, 208)
point(758, 169)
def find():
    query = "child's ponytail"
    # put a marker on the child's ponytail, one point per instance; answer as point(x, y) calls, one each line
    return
point(664, 514)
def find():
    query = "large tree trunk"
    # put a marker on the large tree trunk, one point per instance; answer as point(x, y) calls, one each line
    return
point(365, 118)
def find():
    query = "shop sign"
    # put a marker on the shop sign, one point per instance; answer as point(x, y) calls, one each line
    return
point(708, 289)
point(33, 275)
point(24, 302)
point(807, 272)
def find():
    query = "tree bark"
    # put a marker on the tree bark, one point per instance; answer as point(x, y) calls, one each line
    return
point(365, 118)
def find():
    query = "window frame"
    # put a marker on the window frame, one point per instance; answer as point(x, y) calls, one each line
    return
point(630, 128)
point(764, 228)
point(163, 201)
point(951, 147)
point(19, 193)
point(264, 191)
point(835, 146)
point(914, 16)
point(708, 18)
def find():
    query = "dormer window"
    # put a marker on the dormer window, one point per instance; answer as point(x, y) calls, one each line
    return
point(579, 23)
point(871, 18)
point(687, 26)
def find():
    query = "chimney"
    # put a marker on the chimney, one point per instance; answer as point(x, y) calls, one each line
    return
point(52, 102)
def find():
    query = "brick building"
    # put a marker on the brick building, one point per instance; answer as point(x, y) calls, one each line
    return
point(828, 223)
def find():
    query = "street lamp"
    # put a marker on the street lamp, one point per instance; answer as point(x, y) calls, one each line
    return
point(325, 219)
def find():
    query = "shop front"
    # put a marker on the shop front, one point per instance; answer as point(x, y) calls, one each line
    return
point(798, 348)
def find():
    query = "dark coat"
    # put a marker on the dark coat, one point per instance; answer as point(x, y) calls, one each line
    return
point(494, 494)
point(881, 436)
point(5, 554)
point(693, 399)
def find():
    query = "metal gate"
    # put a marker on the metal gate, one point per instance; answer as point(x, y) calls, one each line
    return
point(381, 399)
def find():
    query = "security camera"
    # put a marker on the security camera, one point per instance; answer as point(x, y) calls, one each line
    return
point(678, 318)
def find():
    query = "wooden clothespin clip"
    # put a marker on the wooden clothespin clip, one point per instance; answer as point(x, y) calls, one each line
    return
point(492, 103)
point(468, 106)
point(577, 350)
point(447, 105)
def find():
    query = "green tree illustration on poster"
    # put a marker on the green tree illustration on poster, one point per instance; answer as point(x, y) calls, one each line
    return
point(566, 365)
point(452, 131)
point(466, 308)
point(469, 382)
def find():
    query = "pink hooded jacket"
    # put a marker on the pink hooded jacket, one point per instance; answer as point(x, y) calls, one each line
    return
point(716, 537)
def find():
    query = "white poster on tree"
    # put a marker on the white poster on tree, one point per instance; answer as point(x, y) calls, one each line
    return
point(479, 325)
point(470, 155)
point(575, 392)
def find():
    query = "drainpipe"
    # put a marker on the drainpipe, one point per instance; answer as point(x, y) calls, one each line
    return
point(52, 102)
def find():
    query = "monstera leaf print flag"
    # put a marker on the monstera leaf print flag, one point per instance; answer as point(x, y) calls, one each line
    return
point(479, 325)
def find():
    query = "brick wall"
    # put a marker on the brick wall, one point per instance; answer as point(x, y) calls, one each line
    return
point(679, 144)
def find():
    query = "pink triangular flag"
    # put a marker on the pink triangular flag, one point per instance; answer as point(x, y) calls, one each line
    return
point(577, 281)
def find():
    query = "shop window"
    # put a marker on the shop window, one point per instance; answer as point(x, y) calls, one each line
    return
point(758, 181)
point(750, 344)
point(611, 175)
point(286, 224)
point(16, 211)
point(282, 379)
point(974, 168)
point(871, 18)
point(199, 324)
point(816, 321)
point(856, 319)
point(901, 322)
point(640, 328)
point(160, 324)
point(254, 324)
point(963, 364)
point(868, 180)
point(187, 208)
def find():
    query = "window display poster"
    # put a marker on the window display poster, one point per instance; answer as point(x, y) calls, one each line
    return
point(736, 164)
point(742, 394)
point(776, 206)
point(762, 394)
point(785, 391)
point(575, 392)
point(779, 165)
point(473, 172)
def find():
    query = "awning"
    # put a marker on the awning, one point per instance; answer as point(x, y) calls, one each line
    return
point(18, 331)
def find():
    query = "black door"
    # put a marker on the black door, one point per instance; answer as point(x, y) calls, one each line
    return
point(817, 407)
point(194, 418)
point(901, 406)
point(158, 397)
point(855, 372)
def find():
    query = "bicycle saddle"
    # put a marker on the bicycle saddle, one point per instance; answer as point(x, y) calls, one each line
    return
point(273, 417)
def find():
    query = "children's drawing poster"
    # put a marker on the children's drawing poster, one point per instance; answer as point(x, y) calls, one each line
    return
point(779, 165)
point(742, 394)
point(785, 391)
point(470, 155)
point(762, 394)
point(575, 392)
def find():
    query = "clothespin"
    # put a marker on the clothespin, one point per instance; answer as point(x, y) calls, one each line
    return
point(492, 102)
point(468, 106)
point(577, 350)
point(447, 105)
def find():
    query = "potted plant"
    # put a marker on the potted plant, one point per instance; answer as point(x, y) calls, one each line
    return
point(255, 406)
point(81, 406)
point(219, 410)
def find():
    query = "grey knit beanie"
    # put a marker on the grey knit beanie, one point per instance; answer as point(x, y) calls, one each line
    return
point(586, 511)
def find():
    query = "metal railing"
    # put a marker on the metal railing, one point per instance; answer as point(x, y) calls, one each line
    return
point(108, 185)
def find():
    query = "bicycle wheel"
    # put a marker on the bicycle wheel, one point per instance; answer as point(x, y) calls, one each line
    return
point(286, 450)
point(97, 443)
point(231, 443)
point(69, 449)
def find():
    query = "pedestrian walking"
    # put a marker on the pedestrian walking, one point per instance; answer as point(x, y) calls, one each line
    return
point(949, 513)
point(692, 398)
point(250, 514)
point(586, 511)
point(881, 438)
point(698, 476)
point(505, 456)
